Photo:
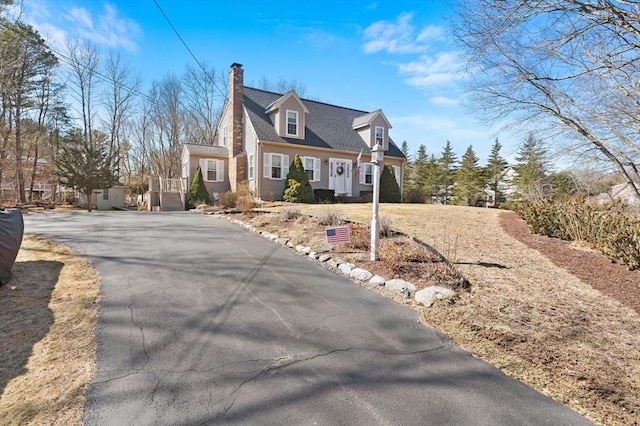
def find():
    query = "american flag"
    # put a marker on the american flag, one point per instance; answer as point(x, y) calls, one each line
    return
point(338, 235)
point(356, 169)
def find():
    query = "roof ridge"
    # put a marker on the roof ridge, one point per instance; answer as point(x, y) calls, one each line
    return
point(317, 102)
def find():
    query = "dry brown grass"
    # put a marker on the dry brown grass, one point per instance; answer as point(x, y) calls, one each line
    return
point(47, 344)
point(525, 315)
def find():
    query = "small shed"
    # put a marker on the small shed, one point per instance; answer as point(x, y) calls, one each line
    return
point(105, 199)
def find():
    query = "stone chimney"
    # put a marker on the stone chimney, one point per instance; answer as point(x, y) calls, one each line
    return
point(237, 155)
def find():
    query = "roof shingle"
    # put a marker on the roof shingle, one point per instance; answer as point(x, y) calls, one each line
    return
point(327, 126)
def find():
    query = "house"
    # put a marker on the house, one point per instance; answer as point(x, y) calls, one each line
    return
point(105, 199)
point(506, 187)
point(260, 132)
point(622, 192)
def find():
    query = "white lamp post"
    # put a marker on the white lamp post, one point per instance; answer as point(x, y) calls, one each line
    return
point(377, 157)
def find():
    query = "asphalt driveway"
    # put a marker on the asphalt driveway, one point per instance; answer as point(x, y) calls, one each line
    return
point(202, 322)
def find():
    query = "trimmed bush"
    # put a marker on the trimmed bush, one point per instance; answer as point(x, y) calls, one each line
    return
point(297, 188)
point(198, 191)
point(389, 189)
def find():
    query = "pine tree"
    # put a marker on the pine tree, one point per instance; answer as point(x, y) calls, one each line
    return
point(297, 187)
point(413, 192)
point(198, 191)
point(84, 166)
point(447, 162)
point(531, 167)
point(495, 166)
point(405, 151)
point(468, 189)
point(389, 189)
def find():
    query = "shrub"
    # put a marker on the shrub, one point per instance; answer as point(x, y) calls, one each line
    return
point(360, 237)
point(290, 213)
point(198, 191)
point(415, 195)
point(297, 188)
point(324, 195)
point(330, 217)
point(389, 189)
point(384, 226)
point(612, 228)
point(245, 203)
point(243, 189)
point(228, 200)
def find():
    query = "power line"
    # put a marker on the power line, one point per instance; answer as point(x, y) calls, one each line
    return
point(184, 43)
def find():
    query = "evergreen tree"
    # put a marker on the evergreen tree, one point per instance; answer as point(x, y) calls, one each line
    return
point(468, 189)
point(389, 189)
point(531, 167)
point(198, 191)
point(563, 183)
point(413, 192)
point(495, 166)
point(405, 151)
point(84, 166)
point(447, 163)
point(432, 178)
point(297, 187)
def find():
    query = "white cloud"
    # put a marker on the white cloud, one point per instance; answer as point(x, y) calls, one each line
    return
point(110, 29)
point(80, 16)
point(428, 71)
point(444, 101)
point(399, 36)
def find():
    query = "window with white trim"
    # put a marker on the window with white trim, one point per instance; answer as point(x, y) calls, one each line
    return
point(224, 136)
point(212, 170)
point(379, 135)
point(311, 166)
point(250, 167)
point(276, 166)
point(366, 174)
point(292, 123)
point(105, 195)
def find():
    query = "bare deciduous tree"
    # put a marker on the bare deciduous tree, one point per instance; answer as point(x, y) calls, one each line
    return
point(568, 65)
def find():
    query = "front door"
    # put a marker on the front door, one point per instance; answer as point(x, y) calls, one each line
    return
point(340, 176)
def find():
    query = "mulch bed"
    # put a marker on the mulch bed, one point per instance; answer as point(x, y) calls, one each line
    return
point(612, 279)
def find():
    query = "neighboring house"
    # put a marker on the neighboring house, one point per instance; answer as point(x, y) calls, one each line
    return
point(506, 186)
point(42, 187)
point(105, 199)
point(260, 132)
point(622, 192)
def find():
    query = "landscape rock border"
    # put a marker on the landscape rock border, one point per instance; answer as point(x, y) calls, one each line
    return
point(407, 290)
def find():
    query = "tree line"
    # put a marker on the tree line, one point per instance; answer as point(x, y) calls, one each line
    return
point(446, 179)
point(84, 114)
point(567, 69)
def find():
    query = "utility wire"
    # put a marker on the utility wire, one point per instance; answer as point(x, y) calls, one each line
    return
point(184, 43)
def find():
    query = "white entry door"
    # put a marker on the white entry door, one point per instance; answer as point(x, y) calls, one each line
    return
point(340, 176)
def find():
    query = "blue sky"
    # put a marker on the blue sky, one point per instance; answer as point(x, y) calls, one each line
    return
point(394, 55)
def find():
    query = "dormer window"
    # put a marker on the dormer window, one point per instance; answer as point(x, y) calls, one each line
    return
point(379, 136)
point(292, 123)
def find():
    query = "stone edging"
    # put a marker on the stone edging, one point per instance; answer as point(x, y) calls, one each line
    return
point(426, 296)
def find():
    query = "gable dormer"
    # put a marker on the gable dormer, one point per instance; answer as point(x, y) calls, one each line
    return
point(288, 115)
point(373, 128)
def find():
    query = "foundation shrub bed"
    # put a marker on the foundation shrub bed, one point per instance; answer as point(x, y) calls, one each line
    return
point(613, 229)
